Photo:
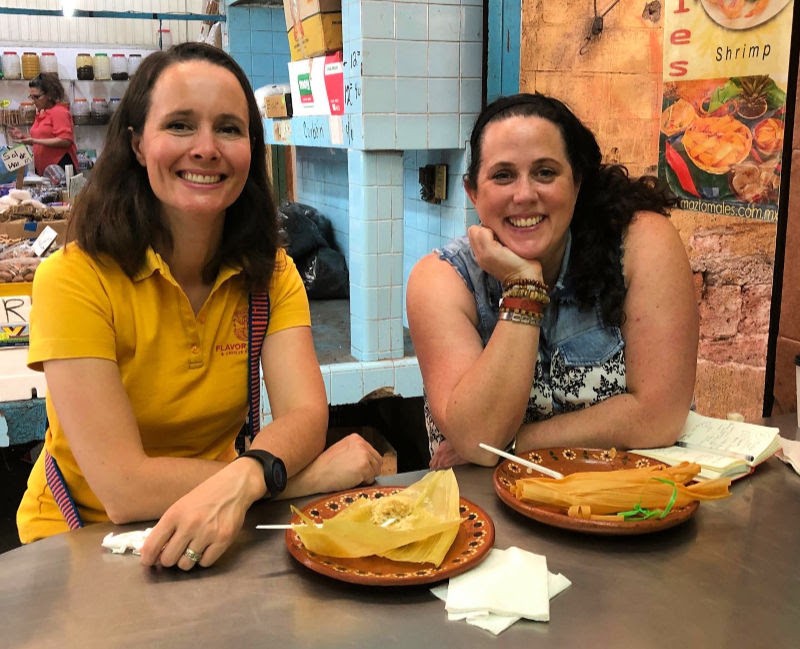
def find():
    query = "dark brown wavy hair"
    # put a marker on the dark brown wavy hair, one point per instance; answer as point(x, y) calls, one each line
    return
point(117, 214)
point(607, 200)
point(50, 85)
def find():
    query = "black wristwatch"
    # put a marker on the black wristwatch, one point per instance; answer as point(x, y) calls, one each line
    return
point(274, 471)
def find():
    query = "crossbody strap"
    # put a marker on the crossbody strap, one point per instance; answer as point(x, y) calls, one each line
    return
point(58, 486)
point(257, 321)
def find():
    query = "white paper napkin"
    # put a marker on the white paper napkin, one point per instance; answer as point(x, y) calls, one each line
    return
point(790, 453)
point(120, 543)
point(506, 586)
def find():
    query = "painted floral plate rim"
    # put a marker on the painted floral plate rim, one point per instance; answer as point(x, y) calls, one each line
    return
point(474, 540)
point(568, 460)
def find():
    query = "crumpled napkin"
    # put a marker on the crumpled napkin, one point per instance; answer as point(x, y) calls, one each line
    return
point(120, 543)
point(789, 453)
point(506, 586)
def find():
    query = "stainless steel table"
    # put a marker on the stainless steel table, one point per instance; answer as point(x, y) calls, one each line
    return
point(729, 577)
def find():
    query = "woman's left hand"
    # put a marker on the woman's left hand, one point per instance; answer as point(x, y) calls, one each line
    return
point(201, 525)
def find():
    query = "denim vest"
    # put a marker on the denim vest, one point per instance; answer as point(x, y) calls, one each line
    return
point(580, 360)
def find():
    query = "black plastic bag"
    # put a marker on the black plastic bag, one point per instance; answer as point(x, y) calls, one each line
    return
point(325, 275)
point(301, 234)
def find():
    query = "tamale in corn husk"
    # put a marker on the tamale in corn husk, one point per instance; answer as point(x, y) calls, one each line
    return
point(417, 524)
point(609, 492)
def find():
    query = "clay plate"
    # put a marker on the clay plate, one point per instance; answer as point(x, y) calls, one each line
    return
point(572, 460)
point(473, 542)
point(742, 20)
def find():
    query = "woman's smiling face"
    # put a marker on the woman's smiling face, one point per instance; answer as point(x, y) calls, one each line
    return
point(195, 142)
point(525, 191)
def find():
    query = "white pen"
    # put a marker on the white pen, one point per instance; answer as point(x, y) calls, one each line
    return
point(519, 460)
point(715, 451)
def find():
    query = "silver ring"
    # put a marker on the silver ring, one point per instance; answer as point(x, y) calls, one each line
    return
point(193, 556)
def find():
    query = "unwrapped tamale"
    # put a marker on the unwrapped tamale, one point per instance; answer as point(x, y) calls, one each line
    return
point(417, 524)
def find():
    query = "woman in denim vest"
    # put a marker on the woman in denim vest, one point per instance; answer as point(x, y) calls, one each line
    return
point(568, 316)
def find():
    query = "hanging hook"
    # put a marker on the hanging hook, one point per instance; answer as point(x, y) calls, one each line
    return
point(596, 27)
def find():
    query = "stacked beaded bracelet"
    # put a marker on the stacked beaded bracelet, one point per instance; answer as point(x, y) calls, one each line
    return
point(523, 301)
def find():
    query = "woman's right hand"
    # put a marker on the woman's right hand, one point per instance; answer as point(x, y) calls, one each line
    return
point(498, 260)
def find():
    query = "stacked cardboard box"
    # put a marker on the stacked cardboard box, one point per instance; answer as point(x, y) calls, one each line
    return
point(316, 71)
point(317, 85)
point(314, 27)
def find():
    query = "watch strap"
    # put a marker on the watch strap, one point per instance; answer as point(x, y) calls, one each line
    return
point(273, 468)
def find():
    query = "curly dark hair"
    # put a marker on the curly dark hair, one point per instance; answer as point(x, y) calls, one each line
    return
point(118, 214)
point(607, 200)
point(50, 85)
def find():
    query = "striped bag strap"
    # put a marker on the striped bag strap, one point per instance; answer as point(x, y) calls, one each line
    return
point(257, 321)
point(58, 486)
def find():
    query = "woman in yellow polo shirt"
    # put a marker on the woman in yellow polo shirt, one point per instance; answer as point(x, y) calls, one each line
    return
point(141, 328)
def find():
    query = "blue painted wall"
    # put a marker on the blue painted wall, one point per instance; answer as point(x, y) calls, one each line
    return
point(504, 25)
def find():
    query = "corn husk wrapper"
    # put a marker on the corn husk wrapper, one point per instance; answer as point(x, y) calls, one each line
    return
point(423, 521)
point(611, 492)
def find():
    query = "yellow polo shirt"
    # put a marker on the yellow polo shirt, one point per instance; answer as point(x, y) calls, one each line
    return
point(185, 374)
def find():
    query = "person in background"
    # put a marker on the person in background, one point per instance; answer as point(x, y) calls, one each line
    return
point(140, 326)
point(52, 134)
point(568, 316)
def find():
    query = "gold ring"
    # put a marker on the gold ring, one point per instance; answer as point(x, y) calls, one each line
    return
point(192, 555)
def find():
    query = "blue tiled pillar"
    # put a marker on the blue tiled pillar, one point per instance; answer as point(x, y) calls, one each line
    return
point(376, 254)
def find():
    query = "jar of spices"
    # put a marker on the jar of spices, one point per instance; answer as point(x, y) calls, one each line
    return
point(30, 65)
point(134, 60)
point(80, 111)
point(113, 104)
point(102, 66)
point(48, 63)
point(99, 112)
point(27, 112)
point(84, 67)
point(11, 65)
point(119, 67)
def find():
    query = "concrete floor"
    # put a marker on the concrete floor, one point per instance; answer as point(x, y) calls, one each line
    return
point(330, 322)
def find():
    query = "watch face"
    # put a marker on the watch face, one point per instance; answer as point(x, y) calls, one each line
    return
point(279, 475)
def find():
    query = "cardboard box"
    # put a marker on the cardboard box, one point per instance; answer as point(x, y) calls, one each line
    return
point(313, 27)
point(21, 229)
point(278, 105)
point(317, 85)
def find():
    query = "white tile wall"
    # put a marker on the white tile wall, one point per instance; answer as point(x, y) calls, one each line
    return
point(414, 70)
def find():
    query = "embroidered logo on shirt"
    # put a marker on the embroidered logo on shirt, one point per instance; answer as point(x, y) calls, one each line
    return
point(240, 324)
point(238, 347)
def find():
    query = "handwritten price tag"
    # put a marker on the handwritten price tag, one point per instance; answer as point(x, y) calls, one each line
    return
point(16, 157)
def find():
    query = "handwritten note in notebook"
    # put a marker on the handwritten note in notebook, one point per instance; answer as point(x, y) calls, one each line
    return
point(722, 448)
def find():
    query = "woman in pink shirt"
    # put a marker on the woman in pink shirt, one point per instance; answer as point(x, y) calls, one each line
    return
point(52, 134)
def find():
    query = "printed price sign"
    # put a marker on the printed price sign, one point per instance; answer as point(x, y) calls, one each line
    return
point(17, 157)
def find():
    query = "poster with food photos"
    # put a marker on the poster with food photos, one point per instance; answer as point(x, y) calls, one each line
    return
point(724, 104)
